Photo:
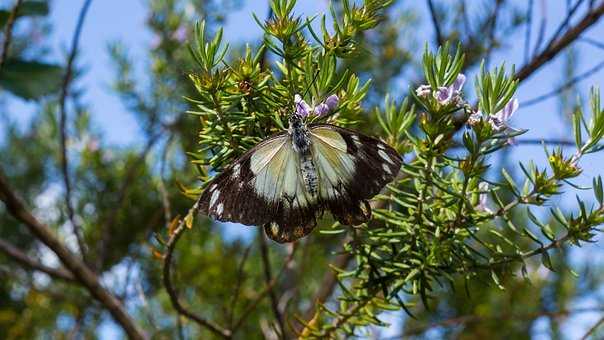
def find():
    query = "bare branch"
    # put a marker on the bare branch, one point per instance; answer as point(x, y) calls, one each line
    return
point(8, 32)
point(570, 83)
point(527, 34)
point(77, 229)
point(593, 328)
point(167, 278)
point(80, 271)
point(554, 47)
point(435, 23)
point(542, 27)
point(268, 278)
point(17, 255)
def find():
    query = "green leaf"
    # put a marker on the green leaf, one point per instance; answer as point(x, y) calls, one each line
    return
point(30, 79)
point(27, 8)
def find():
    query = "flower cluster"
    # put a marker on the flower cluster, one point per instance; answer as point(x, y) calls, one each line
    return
point(499, 120)
point(305, 110)
point(444, 95)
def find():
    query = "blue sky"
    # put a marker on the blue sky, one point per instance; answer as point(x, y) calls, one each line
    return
point(111, 20)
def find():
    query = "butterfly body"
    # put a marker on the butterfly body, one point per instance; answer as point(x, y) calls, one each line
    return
point(289, 179)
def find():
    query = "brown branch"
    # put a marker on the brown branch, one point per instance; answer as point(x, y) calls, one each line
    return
point(435, 23)
point(527, 34)
point(76, 228)
point(8, 32)
point(250, 308)
point(80, 271)
point(17, 255)
point(266, 264)
point(593, 328)
point(555, 46)
point(167, 278)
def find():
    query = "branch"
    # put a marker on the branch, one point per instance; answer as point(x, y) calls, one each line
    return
point(80, 271)
point(564, 86)
point(435, 23)
point(17, 255)
point(77, 229)
point(167, 278)
point(8, 32)
point(593, 328)
point(267, 278)
point(555, 46)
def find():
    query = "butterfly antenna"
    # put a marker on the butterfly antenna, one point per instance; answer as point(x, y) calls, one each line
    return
point(314, 79)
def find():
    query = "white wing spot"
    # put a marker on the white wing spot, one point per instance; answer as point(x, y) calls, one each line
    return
point(385, 156)
point(387, 169)
point(214, 198)
point(356, 140)
point(236, 169)
point(219, 209)
point(212, 187)
point(381, 146)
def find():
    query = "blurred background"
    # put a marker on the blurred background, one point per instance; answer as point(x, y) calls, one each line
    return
point(122, 117)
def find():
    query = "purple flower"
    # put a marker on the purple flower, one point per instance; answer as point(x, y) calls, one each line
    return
point(458, 84)
point(423, 90)
point(321, 109)
point(499, 121)
point(450, 94)
point(332, 102)
point(302, 108)
point(444, 95)
point(475, 118)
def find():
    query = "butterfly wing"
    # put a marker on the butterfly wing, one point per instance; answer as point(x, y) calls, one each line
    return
point(264, 187)
point(352, 168)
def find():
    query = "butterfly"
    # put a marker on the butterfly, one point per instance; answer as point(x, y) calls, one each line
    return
point(288, 180)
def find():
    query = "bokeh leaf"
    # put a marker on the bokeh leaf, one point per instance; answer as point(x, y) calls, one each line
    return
point(30, 79)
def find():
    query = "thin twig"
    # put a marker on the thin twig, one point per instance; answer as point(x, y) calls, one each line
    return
point(593, 328)
point(17, 255)
point(529, 26)
point(570, 83)
point(268, 278)
point(267, 288)
point(558, 45)
point(239, 282)
point(8, 32)
point(435, 23)
point(542, 27)
point(75, 41)
point(78, 268)
point(167, 278)
point(493, 26)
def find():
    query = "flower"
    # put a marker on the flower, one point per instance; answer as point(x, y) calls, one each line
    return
point(451, 94)
point(444, 95)
point(499, 121)
point(423, 90)
point(302, 108)
point(332, 102)
point(321, 109)
point(483, 188)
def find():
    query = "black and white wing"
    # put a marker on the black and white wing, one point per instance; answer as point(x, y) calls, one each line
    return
point(352, 168)
point(264, 187)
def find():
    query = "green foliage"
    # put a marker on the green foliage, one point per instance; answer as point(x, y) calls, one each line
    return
point(428, 228)
point(30, 79)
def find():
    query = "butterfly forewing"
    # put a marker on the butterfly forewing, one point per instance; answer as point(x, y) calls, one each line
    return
point(352, 168)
